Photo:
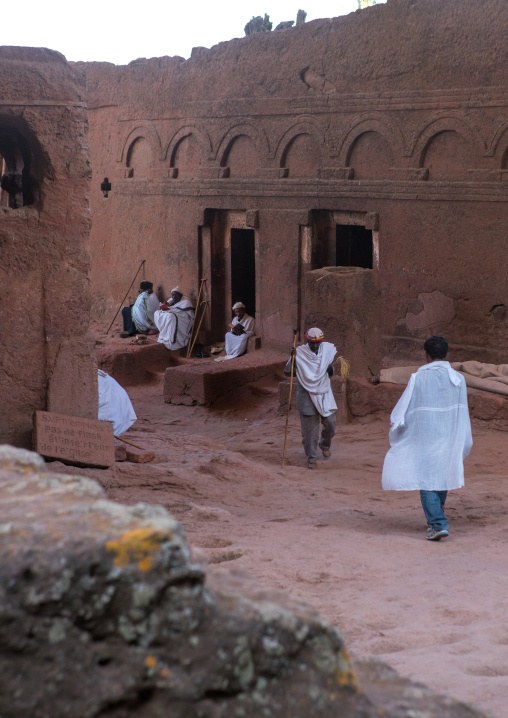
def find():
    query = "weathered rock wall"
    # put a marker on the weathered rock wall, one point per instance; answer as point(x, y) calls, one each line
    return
point(103, 613)
point(392, 121)
point(45, 344)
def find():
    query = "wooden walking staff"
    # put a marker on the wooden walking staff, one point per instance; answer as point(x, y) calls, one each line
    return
point(289, 402)
point(126, 294)
point(191, 344)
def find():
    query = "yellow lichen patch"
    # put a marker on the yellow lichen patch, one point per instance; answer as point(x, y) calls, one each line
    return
point(146, 563)
point(137, 545)
point(150, 661)
point(346, 677)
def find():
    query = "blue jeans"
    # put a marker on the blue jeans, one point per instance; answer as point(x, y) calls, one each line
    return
point(433, 506)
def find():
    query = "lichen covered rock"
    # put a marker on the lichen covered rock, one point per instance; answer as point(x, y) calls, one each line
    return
point(104, 613)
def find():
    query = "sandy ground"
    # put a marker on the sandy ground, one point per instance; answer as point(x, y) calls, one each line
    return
point(332, 537)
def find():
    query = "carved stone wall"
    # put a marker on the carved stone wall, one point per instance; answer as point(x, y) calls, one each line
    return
point(47, 352)
point(398, 112)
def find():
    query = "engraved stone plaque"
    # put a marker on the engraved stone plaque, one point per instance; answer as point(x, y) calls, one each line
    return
point(85, 442)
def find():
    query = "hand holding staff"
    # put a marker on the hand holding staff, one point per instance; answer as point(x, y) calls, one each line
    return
point(126, 295)
point(293, 353)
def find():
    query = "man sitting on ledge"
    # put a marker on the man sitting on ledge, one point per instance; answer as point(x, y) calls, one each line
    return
point(174, 320)
point(241, 328)
point(139, 316)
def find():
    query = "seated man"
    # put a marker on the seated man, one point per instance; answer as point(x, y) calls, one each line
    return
point(114, 404)
point(139, 316)
point(242, 327)
point(174, 320)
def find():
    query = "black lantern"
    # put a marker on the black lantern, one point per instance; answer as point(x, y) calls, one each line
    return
point(105, 187)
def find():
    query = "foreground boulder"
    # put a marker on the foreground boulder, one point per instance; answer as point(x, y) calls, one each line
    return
point(103, 613)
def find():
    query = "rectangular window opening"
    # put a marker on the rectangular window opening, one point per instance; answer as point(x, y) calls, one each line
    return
point(354, 246)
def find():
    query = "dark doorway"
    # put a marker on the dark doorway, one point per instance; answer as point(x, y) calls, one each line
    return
point(353, 246)
point(243, 269)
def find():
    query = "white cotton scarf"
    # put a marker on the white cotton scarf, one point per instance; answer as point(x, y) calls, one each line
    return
point(311, 371)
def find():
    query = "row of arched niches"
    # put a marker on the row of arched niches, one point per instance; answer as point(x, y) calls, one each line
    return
point(445, 147)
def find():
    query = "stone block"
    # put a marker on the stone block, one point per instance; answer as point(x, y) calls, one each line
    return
point(139, 457)
point(120, 452)
point(203, 383)
point(364, 398)
point(84, 442)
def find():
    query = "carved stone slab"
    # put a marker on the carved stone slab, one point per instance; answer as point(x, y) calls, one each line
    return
point(85, 442)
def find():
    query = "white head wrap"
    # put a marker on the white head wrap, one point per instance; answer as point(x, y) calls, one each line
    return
point(176, 289)
point(238, 305)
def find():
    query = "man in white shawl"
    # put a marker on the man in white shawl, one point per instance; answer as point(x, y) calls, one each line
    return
point(114, 404)
point(314, 396)
point(241, 328)
point(430, 436)
point(140, 317)
point(174, 320)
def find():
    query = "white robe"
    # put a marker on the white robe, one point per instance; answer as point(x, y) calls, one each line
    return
point(114, 404)
point(175, 324)
point(311, 372)
point(237, 344)
point(431, 432)
point(143, 311)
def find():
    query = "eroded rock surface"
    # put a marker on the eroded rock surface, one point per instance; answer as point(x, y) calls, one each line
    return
point(103, 613)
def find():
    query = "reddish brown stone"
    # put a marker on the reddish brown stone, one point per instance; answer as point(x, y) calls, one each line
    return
point(364, 398)
point(139, 457)
point(47, 354)
point(120, 452)
point(204, 382)
point(85, 442)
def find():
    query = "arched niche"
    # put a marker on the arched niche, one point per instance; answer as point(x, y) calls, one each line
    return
point(447, 156)
point(370, 156)
point(139, 158)
point(242, 157)
point(301, 156)
point(187, 156)
point(20, 169)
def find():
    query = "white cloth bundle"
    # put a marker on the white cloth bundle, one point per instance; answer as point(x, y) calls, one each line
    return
point(114, 404)
point(431, 432)
point(311, 372)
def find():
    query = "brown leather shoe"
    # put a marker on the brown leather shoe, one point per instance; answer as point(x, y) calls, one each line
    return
point(327, 453)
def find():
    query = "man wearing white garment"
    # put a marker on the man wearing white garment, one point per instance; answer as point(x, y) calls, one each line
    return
point(241, 328)
point(139, 317)
point(430, 436)
point(314, 396)
point(174, 320)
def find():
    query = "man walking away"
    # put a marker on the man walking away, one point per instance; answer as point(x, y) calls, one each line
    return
point(314, 397)
point(430, 436)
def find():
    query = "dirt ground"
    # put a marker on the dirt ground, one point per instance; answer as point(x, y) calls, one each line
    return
point(332, 537)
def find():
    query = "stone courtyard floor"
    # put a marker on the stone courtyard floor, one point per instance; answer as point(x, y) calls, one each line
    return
point(435, 611)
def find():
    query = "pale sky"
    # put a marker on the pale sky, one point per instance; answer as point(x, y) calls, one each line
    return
point(119, 32)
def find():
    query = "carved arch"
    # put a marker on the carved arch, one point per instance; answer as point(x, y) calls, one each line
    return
point(254, 132)
point(146, 131)
point(202, 137)
point(391, 133)
point(499, 144)
point(302, 126)
point(448, 122)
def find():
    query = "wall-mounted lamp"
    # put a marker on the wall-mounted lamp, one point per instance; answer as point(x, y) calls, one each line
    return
point(105, 187)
